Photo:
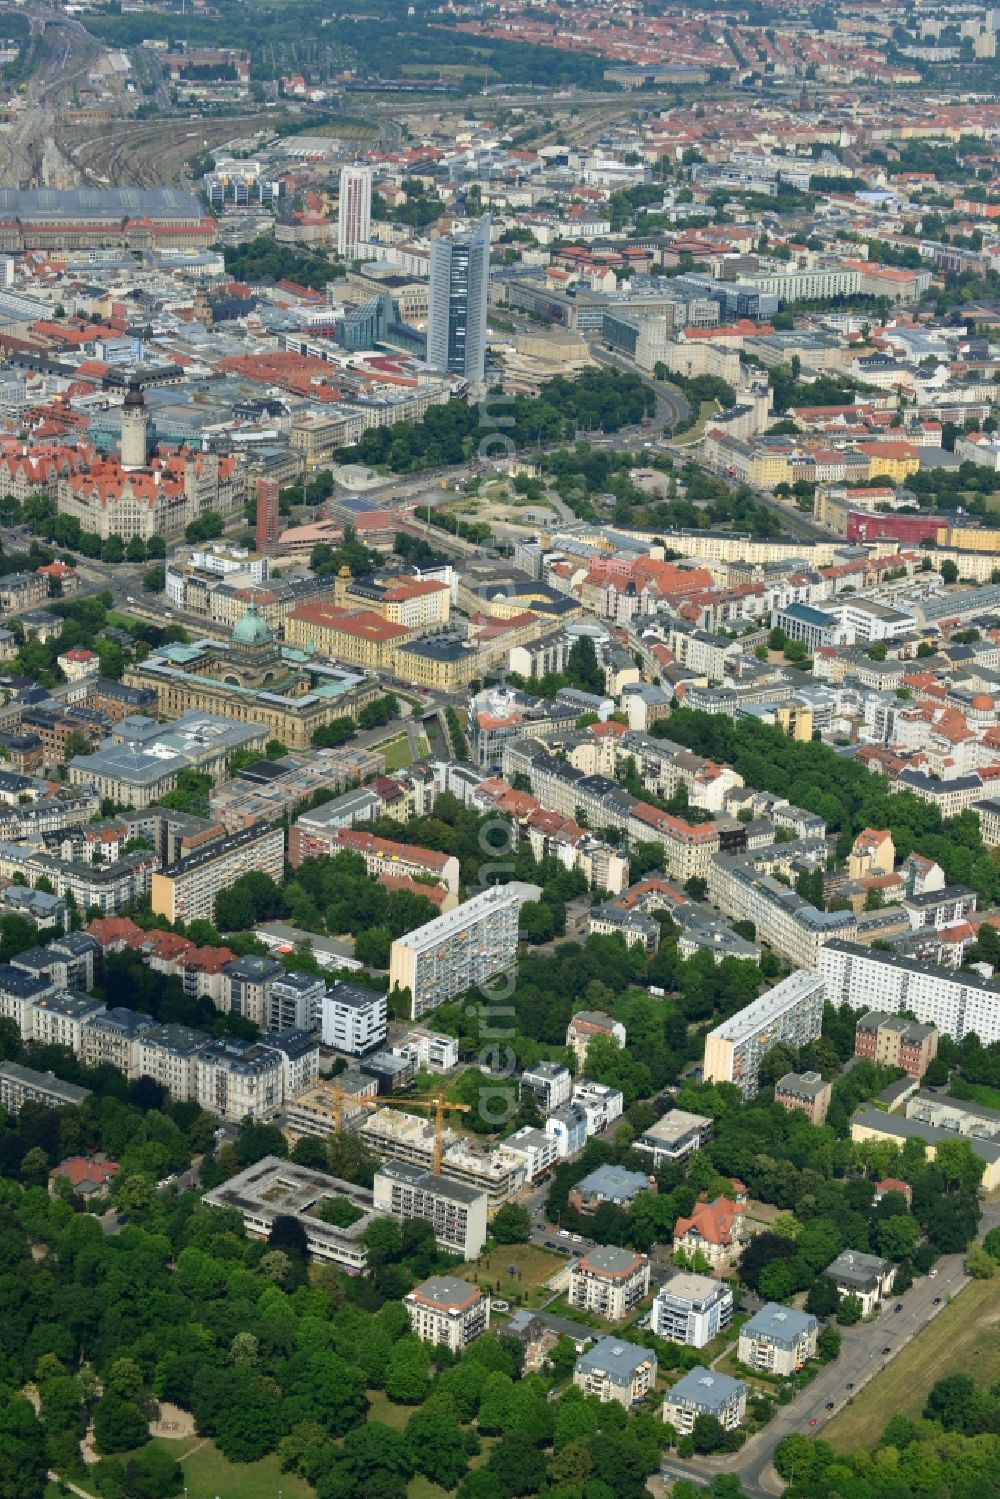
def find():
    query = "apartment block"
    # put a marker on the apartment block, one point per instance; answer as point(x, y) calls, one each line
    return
point(536, 1148)
point(778, 1339)
point(609, 1282)
point(955, 1003)
point(549, 1084)
point(59, 1019)
point(674, 1137)
point(601, 1104)
point(396, 1135)
point(431, 1051)
point(703, 1392)
point(444, 1309)
point(186, 891)
point(456, 1212)
point(585, 1025)
point(248, 982)
point(238, 1079)
point(111, 1038)
point(354, 1020)
point(862, 1275)
point(382, 856)
point(805, 1091)
point(791, 1012)
point(615, 1370)
point(744, 889)
point(894, 1041)
point(20, 1085)
point(691, 1309)
point(460, 949)
point(167, 1054)
point(295, 1002)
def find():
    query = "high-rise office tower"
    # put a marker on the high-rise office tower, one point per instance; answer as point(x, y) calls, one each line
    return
point(354, 216)
point(268, 521)
point(460, 278)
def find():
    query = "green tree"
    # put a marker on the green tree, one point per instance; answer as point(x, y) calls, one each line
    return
point(849, 1311)
point(436, 1447)
point(119, 1425)
point(512, 1224)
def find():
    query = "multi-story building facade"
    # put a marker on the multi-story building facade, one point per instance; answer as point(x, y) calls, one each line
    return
point(186, 891)
point(955, 1003)
point(456, 1211)
point(601, 1104)
point(609, 1282)
point(20, 1085)
point(791, 1012)
point(354, 1020)
point(865, 1276)
point(295, 1002)
point(238, 1080)
point(691, 1309)
point(167, 1054)
point(112, 1037)
point(396, 1135)
point(807, 1092)
point(431, 1051)
point(703, 1392)
point(457, 950)
point(585, 1025)
point(59, 1019)
point(382, 856)
point(548, 1083)
point(616, 1370)
point(247, 987)
point(354, 211)
point(895, 1041)
point(447, 1310)
point(459, 288)
point(675, 1137)
point(778, 1339)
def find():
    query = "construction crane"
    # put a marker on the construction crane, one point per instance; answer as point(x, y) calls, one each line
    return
point(436, 1104)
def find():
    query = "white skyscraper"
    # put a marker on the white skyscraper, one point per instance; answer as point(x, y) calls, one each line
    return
point(460, 281)
point(354, 218)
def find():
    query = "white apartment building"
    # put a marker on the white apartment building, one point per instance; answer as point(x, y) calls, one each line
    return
point(446, 1310)
point(955, 1003)
point(354, 1020)
point(778, 1339)
point(460, 949)
point(354, 210)
point(601, 1103)
point(548, 1083)
point(791, 1012)
point(430, 1051)
point(456, 1212)
point(111, 1037)
point(609, 1282)
point(691, 1309)
point(538, 1150)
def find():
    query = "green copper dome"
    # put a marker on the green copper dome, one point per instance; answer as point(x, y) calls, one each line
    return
point(252, 629)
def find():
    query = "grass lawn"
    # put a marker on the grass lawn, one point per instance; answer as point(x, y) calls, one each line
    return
point(536, 1266)
point(422, 1488)
point(980, 1093)
point(396, 752)
point(964, 1338)
point(387, 1411)
point(208, 1474)
point(706, 411)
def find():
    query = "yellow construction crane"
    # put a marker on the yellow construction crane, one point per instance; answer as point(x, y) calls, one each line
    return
point(436, 1104)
